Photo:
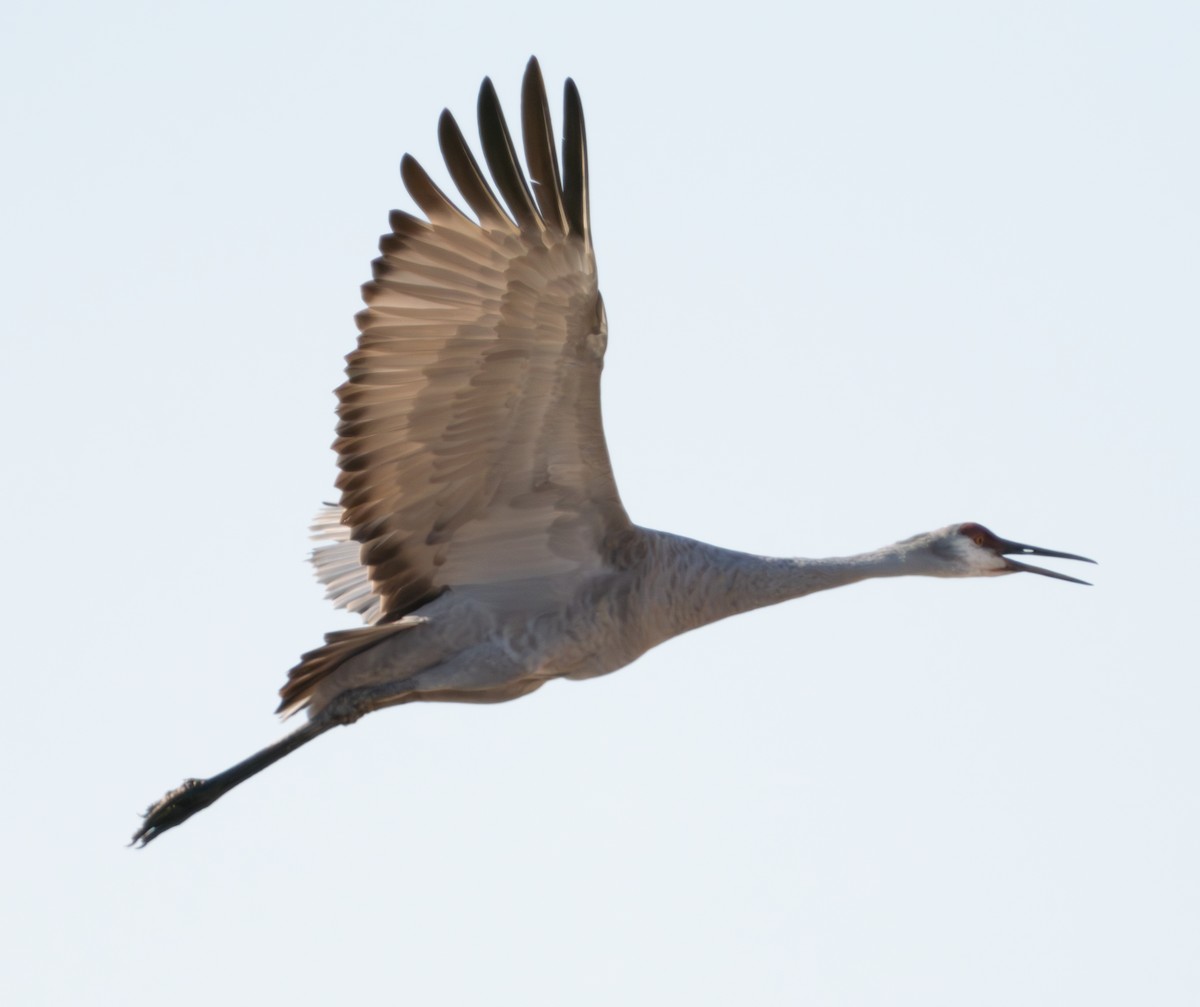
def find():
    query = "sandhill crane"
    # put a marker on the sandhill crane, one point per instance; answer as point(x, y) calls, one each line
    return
point(479, 532)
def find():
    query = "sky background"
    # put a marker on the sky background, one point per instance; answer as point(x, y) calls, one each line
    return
point(870, 268)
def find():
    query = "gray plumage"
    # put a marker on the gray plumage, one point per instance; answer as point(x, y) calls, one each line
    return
point(479, 532)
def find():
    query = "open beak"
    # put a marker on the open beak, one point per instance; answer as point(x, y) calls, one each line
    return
point(1004, 548)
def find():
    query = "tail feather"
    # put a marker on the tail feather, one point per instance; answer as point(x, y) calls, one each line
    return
point(338, 648)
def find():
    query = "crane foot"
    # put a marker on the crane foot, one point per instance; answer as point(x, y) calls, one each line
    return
point(173, 808)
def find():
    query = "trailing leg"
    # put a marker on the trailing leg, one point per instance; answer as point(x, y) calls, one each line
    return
point(177, 806)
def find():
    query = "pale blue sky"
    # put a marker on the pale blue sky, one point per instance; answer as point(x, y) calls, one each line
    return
point(869, 269)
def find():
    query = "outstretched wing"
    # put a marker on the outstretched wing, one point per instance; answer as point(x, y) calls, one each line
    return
point(470, 441)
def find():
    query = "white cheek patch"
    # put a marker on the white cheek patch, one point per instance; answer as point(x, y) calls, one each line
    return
point(980, 562)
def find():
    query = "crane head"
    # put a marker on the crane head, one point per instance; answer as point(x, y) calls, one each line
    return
point(976, 551)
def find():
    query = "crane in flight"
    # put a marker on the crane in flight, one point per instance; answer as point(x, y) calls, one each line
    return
point(479, 532)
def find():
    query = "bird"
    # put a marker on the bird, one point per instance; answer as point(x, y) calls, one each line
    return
point(479, 532)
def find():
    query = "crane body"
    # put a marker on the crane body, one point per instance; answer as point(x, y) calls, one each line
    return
point(479, 531)
point(490, 645)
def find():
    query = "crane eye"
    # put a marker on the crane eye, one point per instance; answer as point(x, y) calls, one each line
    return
point(978, 538)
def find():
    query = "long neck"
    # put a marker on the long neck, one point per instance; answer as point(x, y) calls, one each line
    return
point(706, 583)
